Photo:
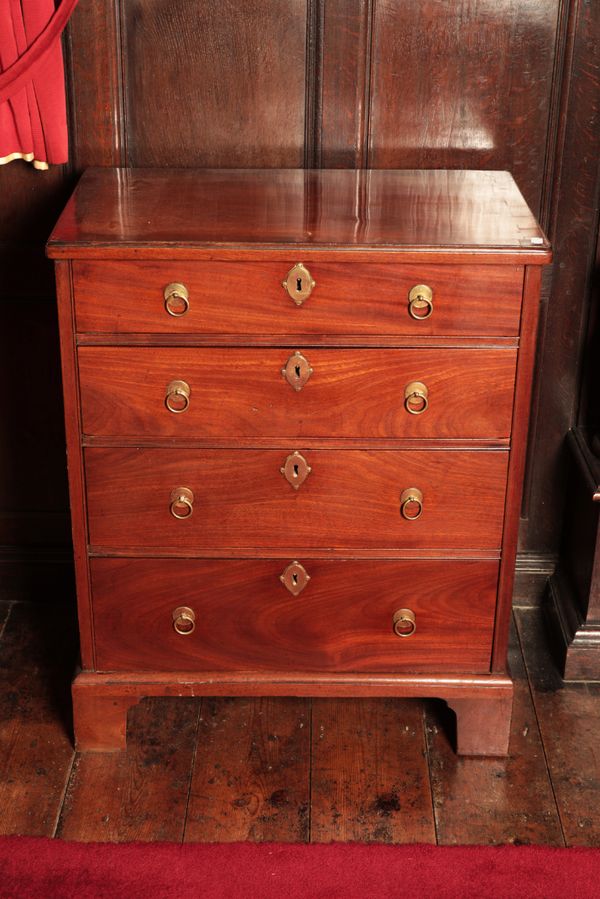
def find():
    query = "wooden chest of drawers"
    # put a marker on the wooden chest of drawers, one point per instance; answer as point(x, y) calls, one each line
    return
point(296, 409)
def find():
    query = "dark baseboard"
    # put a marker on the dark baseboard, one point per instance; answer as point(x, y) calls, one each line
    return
point(532, 573)
point(575, 644)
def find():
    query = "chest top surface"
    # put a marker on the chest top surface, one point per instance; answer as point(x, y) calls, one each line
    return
point(200, 212)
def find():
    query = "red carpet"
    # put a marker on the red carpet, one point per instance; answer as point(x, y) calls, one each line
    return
point(52, 869)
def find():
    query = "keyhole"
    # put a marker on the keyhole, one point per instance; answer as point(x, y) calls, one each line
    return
point(295, 580)
point(297, 370)
point(299, 285)
point(295, 471)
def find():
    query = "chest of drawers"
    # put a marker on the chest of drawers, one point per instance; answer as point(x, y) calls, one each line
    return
point(296, 411)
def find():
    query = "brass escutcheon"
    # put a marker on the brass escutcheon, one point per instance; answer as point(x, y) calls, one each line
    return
point(177, 399)
point(177, 299)
point(404, 622)
point(295, 578)
point(299, 283)
point(411, 503)
point(182, 503)
point(184, 620)
point(297, 371)
point(420, 301)
point(295, 469)
point(416, 397)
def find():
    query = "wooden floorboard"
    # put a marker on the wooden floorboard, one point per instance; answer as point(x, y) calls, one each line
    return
point(569, 720)
point(251, 777)
point(492, 801)
point(140, 794)
point(291, 769)
point(370, 780)
point(37, 656)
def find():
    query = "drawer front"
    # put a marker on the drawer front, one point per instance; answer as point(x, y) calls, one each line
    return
point(241, 499)
point(241, 298)
point(346, 393)
point(246, 619)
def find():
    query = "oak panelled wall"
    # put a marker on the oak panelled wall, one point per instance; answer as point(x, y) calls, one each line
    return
point(495, 84)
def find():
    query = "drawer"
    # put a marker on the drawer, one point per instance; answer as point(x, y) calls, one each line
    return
point(241, 499)
point(248, 299)
point(246, 619)
point(244, 393)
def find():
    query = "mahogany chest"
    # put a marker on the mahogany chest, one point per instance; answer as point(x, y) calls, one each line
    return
point(296, 410)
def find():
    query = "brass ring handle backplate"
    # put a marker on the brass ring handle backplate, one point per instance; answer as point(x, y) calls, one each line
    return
point(411, 503)
point(182, 503)
point(184, 620)
point(299, 283)
point(177, 299)
point(416, 398)
point(420, 302)
point(404, 623)
point(177, 399)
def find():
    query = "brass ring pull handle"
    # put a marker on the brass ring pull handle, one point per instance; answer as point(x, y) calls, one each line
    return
point(184, 620)
point(420, 302)
point(177, 299)
point(182, 503)
point(404, 622)
point(299, 283)
point(416, 398)
point(411, 503)
point(177, 399)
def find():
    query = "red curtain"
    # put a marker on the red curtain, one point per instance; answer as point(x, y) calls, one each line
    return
point(33, 120)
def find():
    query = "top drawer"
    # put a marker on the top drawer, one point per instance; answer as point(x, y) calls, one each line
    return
point(248, 299)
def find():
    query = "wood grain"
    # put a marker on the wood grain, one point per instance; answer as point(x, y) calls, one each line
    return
point(346, 40)
point(141, 794)
point(251, 777)
point(248, 299)
point(153, 213)
point(446, 92)
point(370, 779)
point(241, 499)
point(246, 620)
point(97, 127)
point(242, 392)
point(494, 801)
point(215, 84)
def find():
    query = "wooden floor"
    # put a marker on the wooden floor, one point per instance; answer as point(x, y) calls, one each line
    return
point(292, 769)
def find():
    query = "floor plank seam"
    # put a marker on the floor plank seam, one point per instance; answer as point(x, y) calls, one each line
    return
point(539, 727)
point(192, 768)
point(7, 619)
point(428, 759)
point(61, 803)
